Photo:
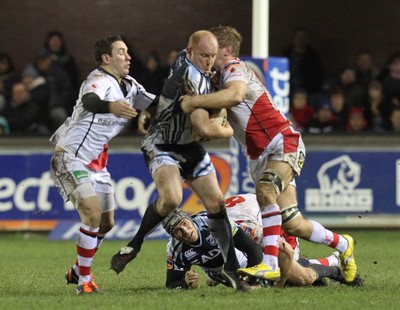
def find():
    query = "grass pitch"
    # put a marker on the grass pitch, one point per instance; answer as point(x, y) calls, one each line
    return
point(32, 277)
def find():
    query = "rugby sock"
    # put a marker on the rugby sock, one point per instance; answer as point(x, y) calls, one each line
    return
point(324, 236)
point(325, 271)
point(150, 221)
point(272, 224)
point(100, 239)
point(220, 228)
point(86, 242)
point(331, 260)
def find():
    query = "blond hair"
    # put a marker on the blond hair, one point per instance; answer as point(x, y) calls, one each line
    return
point(228, 36)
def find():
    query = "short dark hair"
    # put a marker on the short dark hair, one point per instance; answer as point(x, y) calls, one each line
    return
point(104, 46)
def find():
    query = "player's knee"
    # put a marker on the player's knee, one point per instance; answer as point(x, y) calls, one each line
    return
point(167, 203)
point(273, 178)
point(166, 207)
point(309, 278)
point(291, 218)
point(215, 204)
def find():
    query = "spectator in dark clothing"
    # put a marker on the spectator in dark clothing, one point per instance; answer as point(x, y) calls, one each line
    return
point(306, 69)
point(21, 112)
point(8, 75)
point(62, 94)
point(323, 122)
point(365, 70)
point(376, 113)
point(55, 45)
point(39, 92)
point(154, 75)
point(391, 83)
point(353, 91)
point(339, 109)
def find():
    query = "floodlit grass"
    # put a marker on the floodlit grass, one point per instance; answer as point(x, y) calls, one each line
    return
point(32, 277)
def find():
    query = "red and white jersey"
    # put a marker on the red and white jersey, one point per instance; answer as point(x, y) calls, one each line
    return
point(86, 135)
point(256, 120)
point(244, 210)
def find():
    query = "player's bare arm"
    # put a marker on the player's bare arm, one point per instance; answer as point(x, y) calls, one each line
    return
point(231, 95)
point(206, 127)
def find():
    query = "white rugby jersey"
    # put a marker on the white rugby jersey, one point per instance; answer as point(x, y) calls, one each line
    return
point(256, 120)
point(244, 210)
point(85, 134)
point(170, 124)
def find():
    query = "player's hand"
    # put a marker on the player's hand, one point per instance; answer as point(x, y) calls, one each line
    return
point(186, 104)
point(192, 279)
point(143, 119)
point(122, 109)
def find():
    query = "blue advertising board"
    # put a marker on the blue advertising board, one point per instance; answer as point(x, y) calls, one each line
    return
point(330, 182)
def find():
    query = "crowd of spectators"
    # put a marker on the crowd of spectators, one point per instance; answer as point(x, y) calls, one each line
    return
point(361, 98)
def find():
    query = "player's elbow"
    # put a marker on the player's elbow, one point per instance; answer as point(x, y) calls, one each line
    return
point(236, 98)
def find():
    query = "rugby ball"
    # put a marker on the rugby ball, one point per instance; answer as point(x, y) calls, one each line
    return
point(219, 116)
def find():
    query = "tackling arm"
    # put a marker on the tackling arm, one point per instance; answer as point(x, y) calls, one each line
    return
point(92, 103)
point(205, 128)
point(232, 95)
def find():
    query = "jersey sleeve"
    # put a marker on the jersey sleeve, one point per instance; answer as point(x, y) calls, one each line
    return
point(96, 84)
point(143, 98)
point(235, 71)
point(174, 259)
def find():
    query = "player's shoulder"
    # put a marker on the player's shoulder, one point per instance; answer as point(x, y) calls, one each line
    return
point(98, 76)
point(232, 63)
point(200, 219)
point(174, 247)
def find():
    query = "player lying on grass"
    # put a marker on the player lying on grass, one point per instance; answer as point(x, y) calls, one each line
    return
point(191, 244)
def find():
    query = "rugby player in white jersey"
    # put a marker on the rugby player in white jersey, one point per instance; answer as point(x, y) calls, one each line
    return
point(275, 153)
point(173, 155)
point(191, 244)
point(108, 99)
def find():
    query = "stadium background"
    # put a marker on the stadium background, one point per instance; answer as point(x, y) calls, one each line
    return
point(339, 29)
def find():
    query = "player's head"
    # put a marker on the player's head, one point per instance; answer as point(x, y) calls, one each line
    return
point(229, 41)
point(179, 224)
point(202, 50)
point(228, 37)
point(112, 54)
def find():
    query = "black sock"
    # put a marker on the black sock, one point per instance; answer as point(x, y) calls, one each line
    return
point(325, 271)
point(220, 229)
point(150, 220)
point(246, 244)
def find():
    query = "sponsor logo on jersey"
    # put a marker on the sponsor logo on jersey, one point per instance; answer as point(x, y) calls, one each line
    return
point(80, 174)
point(190, 253)
point(111, 122)
point(211, 240)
